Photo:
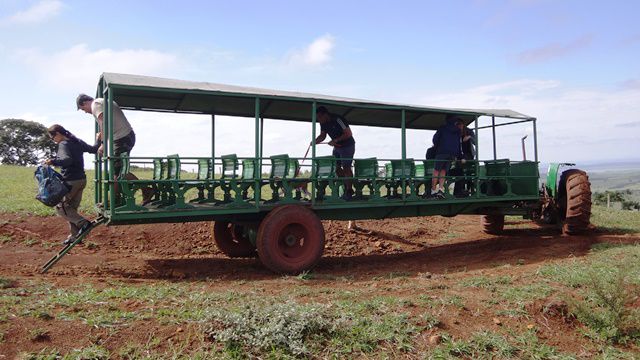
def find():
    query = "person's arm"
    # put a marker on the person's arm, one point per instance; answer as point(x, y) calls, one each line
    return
point(88, 148)
point(470, 136)
point(436, 138)
point(346, 133)
point(321, 137)
point(63, 157)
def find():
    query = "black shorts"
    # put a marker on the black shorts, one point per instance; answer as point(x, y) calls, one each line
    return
point(443, 162)
point(122, 145)
point(344, 155)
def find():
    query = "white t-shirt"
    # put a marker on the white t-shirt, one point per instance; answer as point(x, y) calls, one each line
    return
point(121, 126)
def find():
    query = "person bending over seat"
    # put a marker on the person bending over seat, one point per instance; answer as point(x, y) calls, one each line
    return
point(344, 146)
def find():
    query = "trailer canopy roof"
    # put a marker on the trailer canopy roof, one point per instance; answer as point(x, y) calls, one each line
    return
point(158, 94)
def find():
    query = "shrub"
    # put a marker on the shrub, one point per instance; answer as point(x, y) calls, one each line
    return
point(287, 327)
point(607, 307)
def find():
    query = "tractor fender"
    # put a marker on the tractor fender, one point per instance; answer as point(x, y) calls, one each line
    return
point(553, 178)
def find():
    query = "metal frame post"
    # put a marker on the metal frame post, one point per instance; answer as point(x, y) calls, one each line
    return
point(535, 140)
point(403, 134)
point(97, 176)
point(213, 139)
point(108, 124)
point(493, 130)
point(313, 152)
point(477, 157)
point(258, 155)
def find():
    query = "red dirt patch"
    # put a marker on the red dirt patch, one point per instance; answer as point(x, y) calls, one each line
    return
point(433, 247)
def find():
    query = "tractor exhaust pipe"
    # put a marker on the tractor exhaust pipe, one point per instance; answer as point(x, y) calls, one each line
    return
point(524, 151)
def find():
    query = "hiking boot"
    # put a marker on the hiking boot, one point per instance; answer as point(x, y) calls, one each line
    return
point(85, 227)
point(439, 195)
point(69, 240)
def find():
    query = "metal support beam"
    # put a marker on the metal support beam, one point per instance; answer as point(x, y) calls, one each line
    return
point(257, 150)
point(403, 133)
point(493, 130)
point(477, 157)
point(509, 123)
point(108, 129)
point(313, 151)
point(535, 140)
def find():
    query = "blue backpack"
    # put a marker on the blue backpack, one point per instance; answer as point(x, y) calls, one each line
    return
point(51, 187)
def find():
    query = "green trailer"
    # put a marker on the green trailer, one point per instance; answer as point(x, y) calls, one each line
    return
point(265, 206)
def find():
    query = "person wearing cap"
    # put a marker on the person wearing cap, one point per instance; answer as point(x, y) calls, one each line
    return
point(123, 136)
point(447, 143)
point(344, 146)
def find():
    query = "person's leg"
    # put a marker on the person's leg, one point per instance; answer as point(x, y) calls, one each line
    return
point(68, 207)
point(125, 145)
point(343, 166)
point(443, 173)
point(434, 180)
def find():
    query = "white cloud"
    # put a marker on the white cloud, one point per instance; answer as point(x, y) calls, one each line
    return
point(554, 50)
point(318, 53)
point(573, 124)
point(39, 12)
point(80, 67)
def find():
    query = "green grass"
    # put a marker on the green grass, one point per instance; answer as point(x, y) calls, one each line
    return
point(18, 189)
point(492, 345)
point(607, 284)
point(6, 283)
point(616, 221)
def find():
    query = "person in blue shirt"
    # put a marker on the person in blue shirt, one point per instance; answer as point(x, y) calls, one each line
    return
point(69, 158)
point(344, 146)
point(447, 143)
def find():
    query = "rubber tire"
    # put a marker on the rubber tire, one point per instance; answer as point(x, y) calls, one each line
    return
point(293, 223)
point(578, 202)
point(492, 224)
point(232, 245)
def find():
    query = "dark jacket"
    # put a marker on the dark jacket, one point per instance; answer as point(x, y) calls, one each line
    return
point(70, 159)
point(447, 140)
point(468, 147)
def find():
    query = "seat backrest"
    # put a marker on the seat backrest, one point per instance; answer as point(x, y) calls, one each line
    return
point(388, 171)
point(229, 166)
point(204, 169)
point(366, 168)
point(498, 167)
point(429, 165)
point(420, 171)
point(249, 169)
point(124, 157)
point(324, 167)
point(404, 168)
point(159, 167)
point(294, 168)
point(279, 166)
point(173, 167)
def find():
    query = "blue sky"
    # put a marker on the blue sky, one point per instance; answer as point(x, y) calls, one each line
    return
point(571, 64)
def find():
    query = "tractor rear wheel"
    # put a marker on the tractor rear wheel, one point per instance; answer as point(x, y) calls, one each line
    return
point(576, 202)
point(230, 240)
point(290, 239)
point(492, 224)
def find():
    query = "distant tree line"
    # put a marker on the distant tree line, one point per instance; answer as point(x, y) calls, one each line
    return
point(622, 197)
point(24, 142)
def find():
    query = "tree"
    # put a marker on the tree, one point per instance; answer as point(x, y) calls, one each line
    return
point(24, 142)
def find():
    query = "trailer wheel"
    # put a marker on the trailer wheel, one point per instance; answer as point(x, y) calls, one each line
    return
point(576, 202)
point(492, 224)
point(290, 239)
point(229, 239)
